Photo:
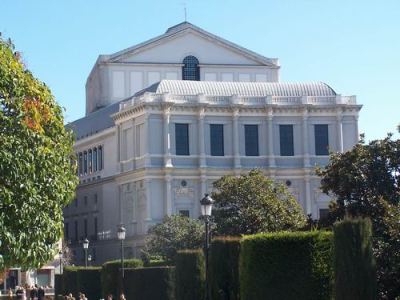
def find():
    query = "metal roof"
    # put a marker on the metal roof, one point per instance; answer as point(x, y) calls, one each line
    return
point(250, 89)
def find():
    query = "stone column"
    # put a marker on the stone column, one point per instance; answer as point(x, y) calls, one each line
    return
point(356, 125)
point(306, 142)
point(308, 194)
point(339, 129)
point(270, 124)
point(147, 133)
point(235, 139)
point(168, 195)
point(167, 138)
point(202, 149)
point(148, 200)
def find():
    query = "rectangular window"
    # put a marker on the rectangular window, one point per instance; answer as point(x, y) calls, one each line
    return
point(184, 213)
point(76, 202)
point(90, 161)
point(95, 160)
point(85, 162)
point(80, 163)
point(286, 140)
point(100, 156)
point(217, 139)
point(321, 139)
point(182, 139)
point(85, 200)
point(251, 140)
point(95, 198)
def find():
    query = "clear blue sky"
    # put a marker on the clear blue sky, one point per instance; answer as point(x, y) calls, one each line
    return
point(354, 46)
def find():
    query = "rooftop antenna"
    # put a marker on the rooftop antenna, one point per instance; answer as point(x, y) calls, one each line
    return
point(184, 10)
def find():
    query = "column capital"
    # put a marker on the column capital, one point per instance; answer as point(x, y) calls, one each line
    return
point(235, 113)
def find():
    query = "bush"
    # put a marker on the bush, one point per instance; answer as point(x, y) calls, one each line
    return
point(110, 275)
point(354, 264)
point(156, 283)
point(224, 268)
point(190, 275)
point(286, 265)
point(58, 285)
point(89, 282)
point(69, 282)
point(158, 263)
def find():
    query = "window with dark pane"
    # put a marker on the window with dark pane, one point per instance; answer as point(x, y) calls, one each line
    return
point(85, 227)
point(217, 139)
point(321, 139)
point(190, 69)
point(95, 227)
point(95, 160)
point(184, 213)
point(286, 140)
point(182, 139)
point(76, 230)
point(85, 162)
point(90, 161)
point(80, 163)
point(100, 155)
point(251, 140)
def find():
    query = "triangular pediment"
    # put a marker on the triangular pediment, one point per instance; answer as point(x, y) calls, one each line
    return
point(187, 39)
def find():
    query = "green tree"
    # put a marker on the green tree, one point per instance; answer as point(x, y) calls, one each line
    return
point(365, 182)
point(253, 203)
point(173, 234)
point(36, 174)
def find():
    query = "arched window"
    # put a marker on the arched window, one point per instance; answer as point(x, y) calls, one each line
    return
point(190, 69)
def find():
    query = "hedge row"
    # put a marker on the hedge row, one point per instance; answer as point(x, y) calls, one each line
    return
point(190, 275)
point(224, 268)
point(111, 275)
point(286, 265)
point(151, 283)
point(80, 279)
point(355, 273)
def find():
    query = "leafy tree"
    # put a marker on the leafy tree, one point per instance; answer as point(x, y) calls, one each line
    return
point(365, 182)
point(36, 174)
point(253, 203)
point(173, 234)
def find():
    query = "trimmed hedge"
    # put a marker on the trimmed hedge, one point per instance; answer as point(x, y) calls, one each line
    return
point(286, 265)
point(110, 275)
point(158, 263)
point(190, 275)
point(58, 285)
point(153, 283)
point(89, 282)
point(355, 272)
point(70, 280)
point(224, 268)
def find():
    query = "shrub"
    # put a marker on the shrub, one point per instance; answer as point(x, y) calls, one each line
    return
point(110, 274)
point(286, 265)
point(155, 283)
point(224, 268)
point(89, 282)
point(158, 263)
point(69, 282)
point(354, 264)
point(190, 275)
point(58, 285)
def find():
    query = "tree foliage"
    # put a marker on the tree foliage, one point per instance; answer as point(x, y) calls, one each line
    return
point(253, 203)
point(36, 175)
point(365, 182)
point(173, 234)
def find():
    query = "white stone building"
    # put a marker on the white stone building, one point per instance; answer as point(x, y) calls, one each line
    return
point(167, 117)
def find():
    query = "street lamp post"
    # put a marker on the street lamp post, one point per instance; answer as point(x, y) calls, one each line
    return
point(89, 258)
point(60, 256)
point(121, 236)
point(206, 208)
point(85, 247)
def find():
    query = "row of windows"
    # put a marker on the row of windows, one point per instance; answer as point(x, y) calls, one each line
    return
point(76, 230)
point(90, 161)
point(286, 139)
point(85, 200)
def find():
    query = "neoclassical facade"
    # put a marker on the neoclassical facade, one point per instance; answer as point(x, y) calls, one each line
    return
point(166, 118)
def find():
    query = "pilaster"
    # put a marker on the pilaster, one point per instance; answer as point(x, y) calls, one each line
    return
point(270, 124)
point(167, 138)
point(201, 142)
point(306, 142)
point(235, 139)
